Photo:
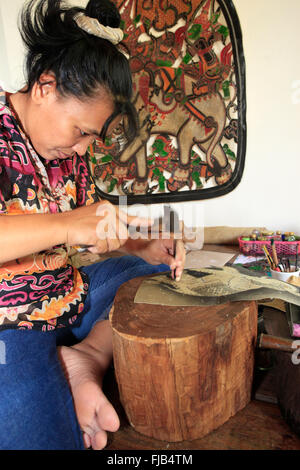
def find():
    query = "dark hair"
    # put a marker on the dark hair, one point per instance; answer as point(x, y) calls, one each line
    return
point(80, 61)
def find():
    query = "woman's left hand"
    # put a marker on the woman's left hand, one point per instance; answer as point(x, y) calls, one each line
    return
point(161, 251)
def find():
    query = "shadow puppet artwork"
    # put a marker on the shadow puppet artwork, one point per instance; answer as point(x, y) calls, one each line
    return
point(211, 286)
point(188, 73)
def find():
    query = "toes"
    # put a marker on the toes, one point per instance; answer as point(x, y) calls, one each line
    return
point(107, 417)
point(99, 440)
point(86, 440)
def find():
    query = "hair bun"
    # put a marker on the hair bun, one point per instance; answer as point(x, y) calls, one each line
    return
point(105, 11)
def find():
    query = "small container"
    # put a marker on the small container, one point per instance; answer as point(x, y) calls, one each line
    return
point(255, 234)
point(291, 237)
point(284, 276)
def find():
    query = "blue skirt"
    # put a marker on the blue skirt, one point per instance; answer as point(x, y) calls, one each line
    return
point(36, 405)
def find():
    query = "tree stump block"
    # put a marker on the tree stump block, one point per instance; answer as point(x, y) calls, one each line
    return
point(182, 371)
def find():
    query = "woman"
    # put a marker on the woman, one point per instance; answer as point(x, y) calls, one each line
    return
point(53, 317)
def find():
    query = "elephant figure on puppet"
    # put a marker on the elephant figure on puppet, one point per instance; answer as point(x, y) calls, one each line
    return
point(167, 106)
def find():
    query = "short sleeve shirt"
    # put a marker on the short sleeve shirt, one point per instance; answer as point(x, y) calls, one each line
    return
point(42, 290)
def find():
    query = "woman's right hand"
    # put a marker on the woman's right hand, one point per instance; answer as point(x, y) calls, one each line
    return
point(102, 226)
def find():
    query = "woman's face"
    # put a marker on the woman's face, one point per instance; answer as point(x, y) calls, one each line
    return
point(60, 126)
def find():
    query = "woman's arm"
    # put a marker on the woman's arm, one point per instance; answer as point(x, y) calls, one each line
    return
point(21, 235)
point(101, 226)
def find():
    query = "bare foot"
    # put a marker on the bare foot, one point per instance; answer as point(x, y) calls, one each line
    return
point(84, 367)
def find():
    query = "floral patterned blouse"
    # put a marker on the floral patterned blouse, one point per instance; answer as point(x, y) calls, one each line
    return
point(43, 290)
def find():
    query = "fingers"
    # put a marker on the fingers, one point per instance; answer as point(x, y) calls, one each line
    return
point(134, 220)
point(176, 250)
point(102, 227)
point(113, 228)
point(111, 231)
point(119, 221)
point(168, 251)
point(118, 214)
point(165, 258)
point(179, 259)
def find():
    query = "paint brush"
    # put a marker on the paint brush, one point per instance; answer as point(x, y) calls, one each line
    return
point(275, 259)
point(268, 256)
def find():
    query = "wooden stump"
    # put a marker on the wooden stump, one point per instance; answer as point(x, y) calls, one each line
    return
point(182, 371)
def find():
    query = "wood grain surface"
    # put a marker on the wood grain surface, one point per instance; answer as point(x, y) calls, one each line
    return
point(182, 371)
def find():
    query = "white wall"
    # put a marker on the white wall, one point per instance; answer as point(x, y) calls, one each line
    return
point(268, 194)
point(11, 46)
point(12, 50)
